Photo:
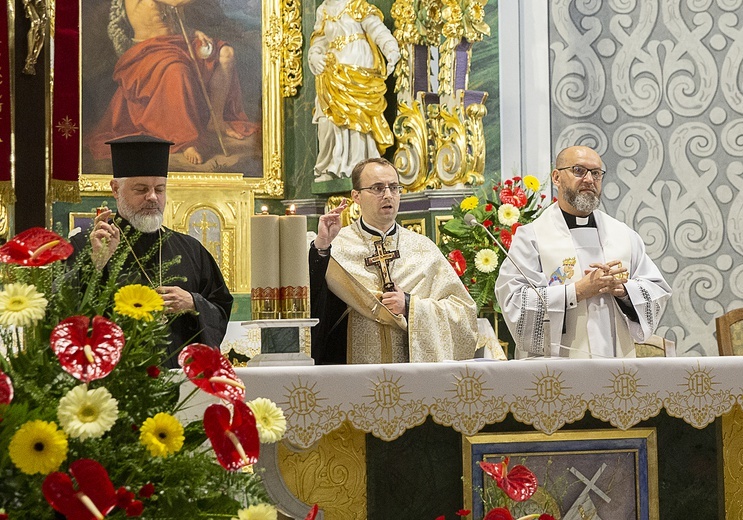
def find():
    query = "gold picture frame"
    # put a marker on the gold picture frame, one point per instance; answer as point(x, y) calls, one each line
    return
point(277, 36)
point(608, 473)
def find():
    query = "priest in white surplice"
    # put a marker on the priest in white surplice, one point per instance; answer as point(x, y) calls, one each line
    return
point(424, 314)
point(602, 291)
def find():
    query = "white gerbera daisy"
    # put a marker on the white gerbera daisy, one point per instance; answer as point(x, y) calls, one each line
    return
point(269, 419)
point(21, 305)
point(486, 260)
point(508, 214)
point(87, 414)
point(257, 512)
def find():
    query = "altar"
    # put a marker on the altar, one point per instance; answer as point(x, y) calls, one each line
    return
point(389, 441)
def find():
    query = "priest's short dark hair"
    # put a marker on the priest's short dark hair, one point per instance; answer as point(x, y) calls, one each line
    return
point(139, 156)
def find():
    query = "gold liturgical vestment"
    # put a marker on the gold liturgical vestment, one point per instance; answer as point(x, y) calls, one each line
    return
point(442, 317)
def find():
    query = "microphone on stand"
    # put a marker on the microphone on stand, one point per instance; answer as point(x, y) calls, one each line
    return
point(545, 349)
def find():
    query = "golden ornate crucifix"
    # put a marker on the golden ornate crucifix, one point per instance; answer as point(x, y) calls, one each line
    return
point(382, 260)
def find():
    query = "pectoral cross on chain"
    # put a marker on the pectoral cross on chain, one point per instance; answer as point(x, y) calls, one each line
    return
point(382, 260)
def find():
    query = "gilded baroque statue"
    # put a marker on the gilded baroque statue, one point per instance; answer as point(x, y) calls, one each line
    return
point(347, 54)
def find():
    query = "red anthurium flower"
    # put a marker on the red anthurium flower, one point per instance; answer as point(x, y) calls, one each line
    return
point(34, 247)
point(312, 514)
point(6, 388)
point(519, 483)
point(499, 513)
point(520, 197)
point(208, 369)
point(506, 238)
point(87, 358)
point(235, 441)
point(92, 498)
point(457, 261)
point(147, 490)
point(506, 196)
point(463, 512)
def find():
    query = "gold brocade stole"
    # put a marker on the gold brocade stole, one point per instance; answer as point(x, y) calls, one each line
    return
point(371, 325)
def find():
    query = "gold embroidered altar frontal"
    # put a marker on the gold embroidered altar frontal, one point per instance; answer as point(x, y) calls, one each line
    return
point(386, 401)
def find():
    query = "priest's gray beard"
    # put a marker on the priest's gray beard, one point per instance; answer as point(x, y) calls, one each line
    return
point(584, 202)
point(144, 223)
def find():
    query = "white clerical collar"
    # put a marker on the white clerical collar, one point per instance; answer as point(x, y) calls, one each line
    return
point(374, 231)
point(581, 221)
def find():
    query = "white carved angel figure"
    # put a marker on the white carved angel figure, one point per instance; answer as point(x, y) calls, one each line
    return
point(347, 55)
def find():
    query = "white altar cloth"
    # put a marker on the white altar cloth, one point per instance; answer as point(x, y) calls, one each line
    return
point(387, 400)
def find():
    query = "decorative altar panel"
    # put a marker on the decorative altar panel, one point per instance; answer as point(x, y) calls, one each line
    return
point(415, 415)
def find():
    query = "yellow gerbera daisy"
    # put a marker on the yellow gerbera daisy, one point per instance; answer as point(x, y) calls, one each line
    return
point(257, 512)
point(269, 419)
point(137, 301)
point(162, 435)
point(21, 305)
point(87, 414)
point(486, 260)
point(469, 203)
point(38, 447)
point(508, 214)
point(531, 183)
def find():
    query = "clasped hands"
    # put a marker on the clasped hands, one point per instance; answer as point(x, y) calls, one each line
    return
point(608, 278)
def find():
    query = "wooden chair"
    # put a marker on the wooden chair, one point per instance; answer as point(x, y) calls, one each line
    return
point(730, 333)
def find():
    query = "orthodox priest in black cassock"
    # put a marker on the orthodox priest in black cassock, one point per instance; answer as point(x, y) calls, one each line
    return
point(198, 274)
point(193, 289)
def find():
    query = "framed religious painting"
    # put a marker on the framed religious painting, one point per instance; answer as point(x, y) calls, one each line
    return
point(579, 473)
point(209, 76)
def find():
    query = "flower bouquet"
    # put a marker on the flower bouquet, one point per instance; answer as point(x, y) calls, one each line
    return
point(469, 249)
point(89, 423)
point(509, 494)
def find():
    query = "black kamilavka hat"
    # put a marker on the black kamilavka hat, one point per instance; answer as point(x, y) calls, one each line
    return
point(140, 156)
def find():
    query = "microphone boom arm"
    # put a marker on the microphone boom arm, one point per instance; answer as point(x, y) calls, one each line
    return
point(471, 221)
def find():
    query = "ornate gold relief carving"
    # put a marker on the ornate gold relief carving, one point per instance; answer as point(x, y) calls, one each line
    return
point(438, 222)
point(291, 71)
point(417, 225)
point(732, 451)
point(215, 208)
point(332, 474)
point(411, 156)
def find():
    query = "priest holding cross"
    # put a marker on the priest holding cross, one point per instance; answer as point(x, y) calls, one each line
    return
point(383, 293)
